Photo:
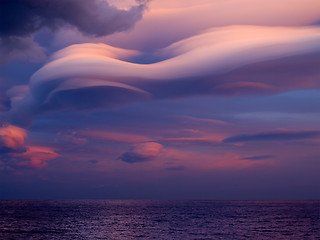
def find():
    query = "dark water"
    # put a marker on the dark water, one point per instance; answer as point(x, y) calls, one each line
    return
point(112, 219)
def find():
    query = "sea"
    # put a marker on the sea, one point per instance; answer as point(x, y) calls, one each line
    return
point(151, 219)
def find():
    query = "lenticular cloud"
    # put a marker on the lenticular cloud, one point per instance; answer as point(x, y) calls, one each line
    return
point(221, 61)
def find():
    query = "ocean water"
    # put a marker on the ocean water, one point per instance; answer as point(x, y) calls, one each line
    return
point(126, 219)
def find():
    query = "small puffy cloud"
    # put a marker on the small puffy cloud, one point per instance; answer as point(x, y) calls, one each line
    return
point(12, 139)
point(280, 135)
point(15, 154)
point(142, 152)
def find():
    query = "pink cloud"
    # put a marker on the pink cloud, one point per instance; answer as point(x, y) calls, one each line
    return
point(35, 157)
point(209, 160)
point(142, 152)
point(4, 101)
point(15, 154)
point(12, 138)
point(113, 136)
point(222, 61)
point(169, 21)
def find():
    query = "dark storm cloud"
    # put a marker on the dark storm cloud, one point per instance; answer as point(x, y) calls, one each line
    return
point(273, 136)
point(23, 48)
point(260, 157)
point(95, 17)
point(20, 19)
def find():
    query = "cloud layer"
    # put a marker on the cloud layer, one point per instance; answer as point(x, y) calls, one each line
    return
point(228, 61)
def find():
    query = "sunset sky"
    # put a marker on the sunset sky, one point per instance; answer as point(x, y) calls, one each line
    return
point(160, 99)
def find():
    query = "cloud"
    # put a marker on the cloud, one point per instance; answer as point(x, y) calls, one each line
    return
point(213, 53)
point(23, 48)
point(260, 157)
point(210, 121)
point(80, 94)
point(4, 101)
point(20, 19)
point(15, 154)
point(12, 139)
point(74, 94)
point(280, 135)
point(227, 61)
point(34, 157)
point(16, 93)
point(113, 136)
point(173, 20)
point(209, 140)
point(93, 161)
point(142, 152)
point(97, 17)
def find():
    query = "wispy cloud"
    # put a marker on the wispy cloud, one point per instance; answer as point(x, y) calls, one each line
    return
point(259, 157)
point(280, 135)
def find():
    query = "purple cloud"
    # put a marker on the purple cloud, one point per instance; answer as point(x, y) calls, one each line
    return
point(20, 19)
point(4, 101)
point(283, 135)
point(24, 17)
point(223, 62)
point(16, 154)
point(260, 157)
point(142, 152)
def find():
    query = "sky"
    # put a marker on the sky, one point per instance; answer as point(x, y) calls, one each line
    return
point(160, 99)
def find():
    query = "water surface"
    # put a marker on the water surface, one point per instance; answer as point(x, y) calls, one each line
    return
point(126, 219)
